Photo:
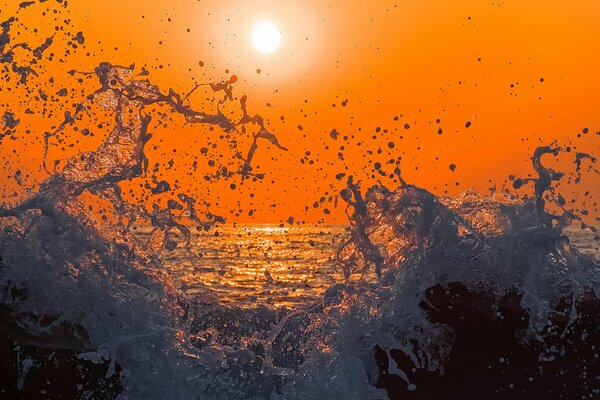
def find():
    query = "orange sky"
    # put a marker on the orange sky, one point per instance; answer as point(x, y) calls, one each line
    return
point(522, 73)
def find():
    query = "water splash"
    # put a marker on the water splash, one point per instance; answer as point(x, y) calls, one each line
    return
point(490, 248)
point(71, 283)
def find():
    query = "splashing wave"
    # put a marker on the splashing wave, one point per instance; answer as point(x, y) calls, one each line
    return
point(472, 290)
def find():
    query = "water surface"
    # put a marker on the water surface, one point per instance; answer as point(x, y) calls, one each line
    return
point(290, 266)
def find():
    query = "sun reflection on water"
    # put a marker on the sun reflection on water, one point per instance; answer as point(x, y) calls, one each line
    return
point(246, 265)
point(249, 265)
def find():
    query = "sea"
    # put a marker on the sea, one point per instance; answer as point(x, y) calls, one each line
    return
point(282, 266)
point(247, 264)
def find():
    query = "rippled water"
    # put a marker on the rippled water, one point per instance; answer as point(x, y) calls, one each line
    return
point(586, 241)
point(289, 266)
point(261, 263)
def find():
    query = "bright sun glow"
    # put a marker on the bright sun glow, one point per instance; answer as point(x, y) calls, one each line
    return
point(266, 37)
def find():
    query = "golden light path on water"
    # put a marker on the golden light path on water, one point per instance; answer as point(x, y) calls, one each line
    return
point(260, 264)
point(289, 266)
point(267, 264)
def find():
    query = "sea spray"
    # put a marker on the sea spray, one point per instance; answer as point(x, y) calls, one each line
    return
point(448, 270)
point(96, 288)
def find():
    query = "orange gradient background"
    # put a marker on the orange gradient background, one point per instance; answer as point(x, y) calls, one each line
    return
point(523, 73)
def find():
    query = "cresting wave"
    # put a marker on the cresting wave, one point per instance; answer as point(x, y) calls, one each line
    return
point(54, 252)
point(476, 295)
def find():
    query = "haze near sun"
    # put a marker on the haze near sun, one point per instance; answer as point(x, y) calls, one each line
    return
point(266, 37)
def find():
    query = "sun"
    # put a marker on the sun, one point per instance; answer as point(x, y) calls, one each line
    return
point(266, 37)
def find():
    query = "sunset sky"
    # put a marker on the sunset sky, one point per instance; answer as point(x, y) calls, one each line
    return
point(468, 83)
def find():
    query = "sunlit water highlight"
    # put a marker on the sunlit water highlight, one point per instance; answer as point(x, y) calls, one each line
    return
point(245, 265)
point(289, 266)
